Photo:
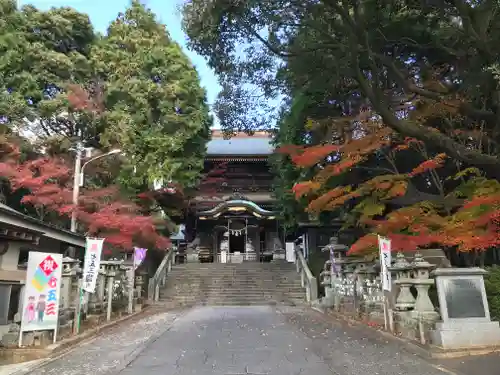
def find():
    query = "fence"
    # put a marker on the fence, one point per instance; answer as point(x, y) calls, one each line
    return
point(353, 288)
point(115, 294)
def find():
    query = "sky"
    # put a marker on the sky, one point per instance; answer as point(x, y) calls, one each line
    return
point(102, 12)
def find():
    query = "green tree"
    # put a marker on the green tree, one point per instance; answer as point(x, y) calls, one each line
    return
point(41, 54)
point(156, 109)
point(393, 55)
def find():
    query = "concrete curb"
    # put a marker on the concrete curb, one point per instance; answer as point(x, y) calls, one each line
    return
point(70, 344)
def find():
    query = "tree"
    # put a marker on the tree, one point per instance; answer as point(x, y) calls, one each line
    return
point(41, 53)
point(102, 211)
point(460, 212)
point(156, 109)
point(426, 55)
point(150, 103)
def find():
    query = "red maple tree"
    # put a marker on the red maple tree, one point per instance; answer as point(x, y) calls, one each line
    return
point(103, 212)
point(471, 223)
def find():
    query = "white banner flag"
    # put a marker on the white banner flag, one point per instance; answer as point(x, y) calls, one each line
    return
point(384, 245)
point(93, 251)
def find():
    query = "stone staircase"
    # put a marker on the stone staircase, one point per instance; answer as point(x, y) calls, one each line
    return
point(249, 283)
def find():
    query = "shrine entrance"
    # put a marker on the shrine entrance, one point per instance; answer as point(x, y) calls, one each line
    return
point(236, 243)
point(237, 228)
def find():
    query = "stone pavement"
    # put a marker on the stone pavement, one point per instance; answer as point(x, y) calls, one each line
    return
point(108, 353)
point(238, 340)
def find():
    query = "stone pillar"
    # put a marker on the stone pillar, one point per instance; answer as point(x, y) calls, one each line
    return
point(110, 278)
point(139, 281)
point(68, 273)
point(326, 282)
point(96, 299)
point(101, 286)
point(111, 268)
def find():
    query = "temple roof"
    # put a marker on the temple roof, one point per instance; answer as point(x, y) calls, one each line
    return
point(241, 144)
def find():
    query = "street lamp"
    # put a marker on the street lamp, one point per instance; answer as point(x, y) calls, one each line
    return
point(81, 174)
point(78, 177)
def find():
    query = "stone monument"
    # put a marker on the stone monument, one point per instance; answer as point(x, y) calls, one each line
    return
point(465, 314)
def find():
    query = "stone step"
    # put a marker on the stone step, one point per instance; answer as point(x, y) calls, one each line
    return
point(229, 295)
point(220, 280)
point(236, 300)
point(232, 284)
point(233, 303)
point(278, 275)
point(237, 290)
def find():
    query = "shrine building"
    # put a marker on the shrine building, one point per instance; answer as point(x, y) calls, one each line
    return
point(233, 221)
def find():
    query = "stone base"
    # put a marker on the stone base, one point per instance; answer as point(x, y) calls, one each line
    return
point(462, 335)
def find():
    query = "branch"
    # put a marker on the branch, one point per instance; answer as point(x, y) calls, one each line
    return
point(400, 78)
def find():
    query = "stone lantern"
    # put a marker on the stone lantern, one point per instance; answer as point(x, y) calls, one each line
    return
point(337, 256)
point(405, 300)
point(422, 282)
point(335, 265)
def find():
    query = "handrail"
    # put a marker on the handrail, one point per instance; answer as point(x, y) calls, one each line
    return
point(307, 279)
point(160, 277)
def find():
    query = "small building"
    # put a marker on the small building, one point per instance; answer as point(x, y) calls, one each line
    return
point(233, 220)
point(20, 234)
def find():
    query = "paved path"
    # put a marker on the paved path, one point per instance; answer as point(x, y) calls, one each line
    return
point(238, 340)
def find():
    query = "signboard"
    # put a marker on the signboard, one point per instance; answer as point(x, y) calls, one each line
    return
point(93, 251)
point(384, 245)
point(41, 294)
point(139, 256)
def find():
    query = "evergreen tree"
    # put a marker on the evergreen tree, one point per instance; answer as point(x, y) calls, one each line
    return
point(156, 109)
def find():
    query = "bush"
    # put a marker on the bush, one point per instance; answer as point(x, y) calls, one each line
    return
point(492, 285)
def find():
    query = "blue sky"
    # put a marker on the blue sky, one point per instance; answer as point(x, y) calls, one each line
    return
point(102, 12)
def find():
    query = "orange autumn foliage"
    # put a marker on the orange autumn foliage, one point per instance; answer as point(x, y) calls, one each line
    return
point(301, 189)
point(472, 226)
point(313, 155)
point(428, 165)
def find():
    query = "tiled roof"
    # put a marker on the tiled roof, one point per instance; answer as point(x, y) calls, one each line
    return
point(243, 145)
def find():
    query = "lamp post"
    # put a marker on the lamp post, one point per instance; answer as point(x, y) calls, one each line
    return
point(77, 183)
point(78, 177)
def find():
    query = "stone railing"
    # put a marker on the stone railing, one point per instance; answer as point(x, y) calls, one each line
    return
point(160, 277)
point(308, 281)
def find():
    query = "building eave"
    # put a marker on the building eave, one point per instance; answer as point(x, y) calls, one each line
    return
point(243, 205)
point(15, 218)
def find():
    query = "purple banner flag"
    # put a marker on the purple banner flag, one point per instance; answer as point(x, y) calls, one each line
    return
point(139, 256)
